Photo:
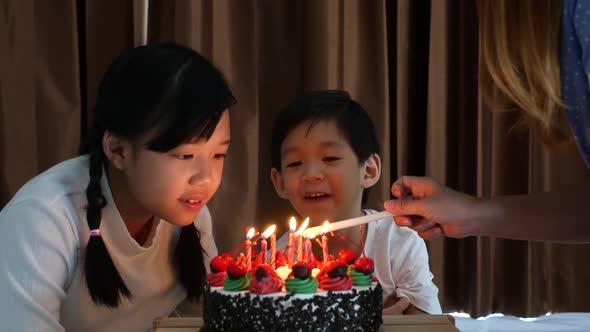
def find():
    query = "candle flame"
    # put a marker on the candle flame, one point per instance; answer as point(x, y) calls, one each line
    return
point(325, 228)
point(303, 227)
point(292, 224)
point(310, 235)
point(268, 232)
point(250, 233)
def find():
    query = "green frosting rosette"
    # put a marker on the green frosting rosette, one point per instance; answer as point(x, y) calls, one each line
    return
point(302, 286)
point(236, 285)
point(359, 278)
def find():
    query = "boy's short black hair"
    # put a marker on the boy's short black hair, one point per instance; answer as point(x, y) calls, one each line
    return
point(350, 117)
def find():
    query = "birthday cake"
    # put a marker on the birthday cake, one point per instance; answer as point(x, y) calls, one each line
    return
point(334, 295)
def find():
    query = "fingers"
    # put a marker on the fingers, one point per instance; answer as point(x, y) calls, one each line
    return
point(422, 225)
point(432, 233)
point(400, 187)
point(390, 300)
point(407, 206)
point(403, 221)
point(398, 308)
point(413, 186)
point(427, 229)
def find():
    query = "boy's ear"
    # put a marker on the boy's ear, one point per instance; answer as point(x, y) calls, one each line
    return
point(277, 181)
point(115, 149)
point(371, 171)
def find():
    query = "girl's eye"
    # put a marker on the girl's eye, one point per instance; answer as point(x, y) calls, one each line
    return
point(184, 156)
point(293, 164)
point(219, 156)
point(328, 159)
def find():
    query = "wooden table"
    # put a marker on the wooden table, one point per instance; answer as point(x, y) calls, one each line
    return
point(414, 323)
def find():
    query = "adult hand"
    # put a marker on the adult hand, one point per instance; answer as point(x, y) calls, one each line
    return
point(432, 209)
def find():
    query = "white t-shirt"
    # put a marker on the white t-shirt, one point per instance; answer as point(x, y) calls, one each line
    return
point(401, 263)
point(43, 233)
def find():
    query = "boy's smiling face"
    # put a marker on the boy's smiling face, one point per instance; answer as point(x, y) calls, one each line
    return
point(321, 175)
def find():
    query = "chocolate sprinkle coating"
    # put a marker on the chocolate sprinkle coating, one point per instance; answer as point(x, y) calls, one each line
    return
point(355, 310)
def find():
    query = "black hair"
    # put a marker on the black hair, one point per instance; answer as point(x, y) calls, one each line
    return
point(350, 117)
point(174, 95)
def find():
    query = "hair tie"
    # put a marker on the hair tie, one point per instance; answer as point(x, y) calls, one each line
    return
point(95, 232)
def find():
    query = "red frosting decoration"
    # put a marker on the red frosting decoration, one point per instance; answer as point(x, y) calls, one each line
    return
point(269, 283)
point(336, 284)
point(281, 259)
point(216, 279)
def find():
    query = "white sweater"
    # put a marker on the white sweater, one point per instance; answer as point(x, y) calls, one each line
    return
point(401, 263)
point(43, 234)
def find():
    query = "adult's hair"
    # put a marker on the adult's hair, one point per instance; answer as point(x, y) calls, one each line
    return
point(519, 61)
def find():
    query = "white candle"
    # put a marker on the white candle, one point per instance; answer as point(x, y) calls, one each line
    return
point(351, 222)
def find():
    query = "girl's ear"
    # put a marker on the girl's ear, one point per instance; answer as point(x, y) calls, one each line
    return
point(370, 171)
point(277, 180)
point(114, 149)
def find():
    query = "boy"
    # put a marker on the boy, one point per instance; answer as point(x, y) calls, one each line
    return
point(325, 158)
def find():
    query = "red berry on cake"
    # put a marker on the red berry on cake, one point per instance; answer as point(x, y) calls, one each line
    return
point(348, 255)
point(301, 270)
point(337, 268)
point(236, 270)
point(219, 264)
point(365, 265)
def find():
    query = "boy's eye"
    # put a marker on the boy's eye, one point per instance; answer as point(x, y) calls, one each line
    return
point(184, 156)
point(219, 156)
point(331, 158)
point(293, 164)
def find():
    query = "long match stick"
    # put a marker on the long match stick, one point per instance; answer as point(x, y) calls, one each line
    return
point(350, 222)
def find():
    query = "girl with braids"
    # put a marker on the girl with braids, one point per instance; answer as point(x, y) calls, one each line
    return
point(534, 56)
point(121, 235)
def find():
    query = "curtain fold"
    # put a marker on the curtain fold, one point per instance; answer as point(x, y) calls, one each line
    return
point(39, 89)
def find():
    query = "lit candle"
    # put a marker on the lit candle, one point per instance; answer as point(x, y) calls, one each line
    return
point(249, 249)
point(325, 242)
point(266, 234)
point(308, 252)
point(290, 251)
point(299, 236)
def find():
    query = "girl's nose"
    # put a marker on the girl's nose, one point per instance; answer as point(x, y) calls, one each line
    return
point(202, 173)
